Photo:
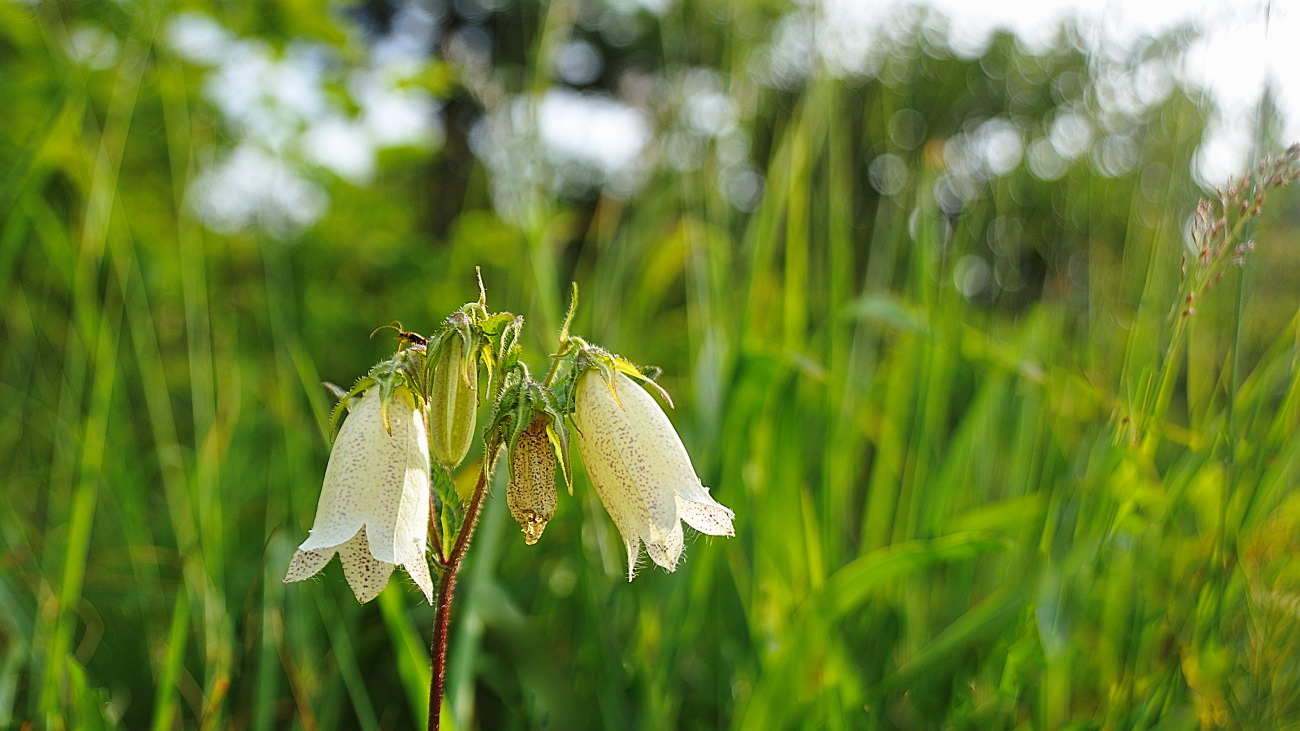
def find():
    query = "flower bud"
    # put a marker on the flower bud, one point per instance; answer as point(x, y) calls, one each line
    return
point(531, 490)
point(453, 403)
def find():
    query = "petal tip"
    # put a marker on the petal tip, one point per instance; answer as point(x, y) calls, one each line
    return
point(306, 564)
point(418, 570)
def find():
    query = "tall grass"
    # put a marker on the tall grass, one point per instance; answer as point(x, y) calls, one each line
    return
point(1067, 507)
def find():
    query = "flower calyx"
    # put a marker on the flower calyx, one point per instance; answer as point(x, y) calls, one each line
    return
point(586, 356)
point(404, 370)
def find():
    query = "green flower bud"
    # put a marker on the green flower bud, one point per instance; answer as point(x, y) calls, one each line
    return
point(531, 490)
point(453, 402)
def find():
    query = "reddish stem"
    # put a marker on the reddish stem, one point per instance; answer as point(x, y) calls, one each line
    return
point(446, 589)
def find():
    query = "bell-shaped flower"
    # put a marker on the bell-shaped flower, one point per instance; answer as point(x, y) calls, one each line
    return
point(641, 470)
point(374, 506)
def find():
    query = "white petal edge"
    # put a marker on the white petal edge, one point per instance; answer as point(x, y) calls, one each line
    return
point(366, 575)
point(707, 517)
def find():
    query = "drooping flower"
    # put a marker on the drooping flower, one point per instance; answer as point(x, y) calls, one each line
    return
point(641, 470)
point(530, 494)
point(374, 506)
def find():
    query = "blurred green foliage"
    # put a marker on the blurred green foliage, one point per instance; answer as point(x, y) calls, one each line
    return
point(982, 478)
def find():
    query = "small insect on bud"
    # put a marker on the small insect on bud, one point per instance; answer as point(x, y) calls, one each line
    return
point(453, 403)
point(530, 494)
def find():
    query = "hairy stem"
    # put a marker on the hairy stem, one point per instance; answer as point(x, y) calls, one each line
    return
point(446, 591)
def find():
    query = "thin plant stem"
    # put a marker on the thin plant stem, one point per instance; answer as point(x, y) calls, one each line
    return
point(446, 591)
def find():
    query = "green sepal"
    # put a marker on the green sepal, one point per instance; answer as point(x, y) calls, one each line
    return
point(625, 367)
point(447, 508)
point(587, 357)
point(558, 434)
point(606, 368)
point(499, 351)
point(405, 368)
point(386, 390)
point(468, 352)
point(335, 391)
point(345, 403)
point(497, 323)
point(500, 415)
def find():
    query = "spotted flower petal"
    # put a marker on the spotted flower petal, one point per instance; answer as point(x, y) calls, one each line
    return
point(641, 470)
point(374, 506)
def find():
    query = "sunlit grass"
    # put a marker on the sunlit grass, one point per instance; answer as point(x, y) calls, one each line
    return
point(1057, 505)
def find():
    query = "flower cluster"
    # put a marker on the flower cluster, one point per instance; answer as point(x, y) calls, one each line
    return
point(412, 422)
